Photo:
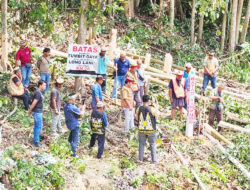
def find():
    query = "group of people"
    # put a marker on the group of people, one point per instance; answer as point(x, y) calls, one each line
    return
point(135, 104)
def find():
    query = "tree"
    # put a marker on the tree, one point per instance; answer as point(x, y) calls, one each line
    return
point(233, 26)
point(4, 58)
point(240, 5)
point(245, 26)
point(129, 8)
point(193, 22)
point(223, 30)
point(200, 30)
point(171, 23)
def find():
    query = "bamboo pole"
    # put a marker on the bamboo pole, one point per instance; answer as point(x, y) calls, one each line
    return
point(185, 163)
point(233, 127)
point(232, 159)
point(217, 135)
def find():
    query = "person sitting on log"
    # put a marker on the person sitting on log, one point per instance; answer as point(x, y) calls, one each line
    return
point(134, 86)
point(217, 106)
point(16, 88)
point(177, 93)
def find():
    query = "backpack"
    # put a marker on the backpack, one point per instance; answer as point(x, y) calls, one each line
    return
point(145, 123)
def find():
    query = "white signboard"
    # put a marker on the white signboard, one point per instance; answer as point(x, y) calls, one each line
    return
point(82, 60)
point(190, 104)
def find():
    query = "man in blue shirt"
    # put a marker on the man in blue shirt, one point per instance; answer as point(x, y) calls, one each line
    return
point(121, 66)
point(97, 92)
point(72, 113)
point(99, 122)
point(185, 75)
point(103, 63)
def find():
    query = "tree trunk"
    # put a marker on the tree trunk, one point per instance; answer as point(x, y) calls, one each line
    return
point(180, 9)
point(171, 23)
point(245, 26)
point(193, 22)
point(200, 31)
point(238, 18)
point(110, 2)
point(233, 26)
point(131, 9)
point(4, 58)
point(81, 39)
point(223, 30)
point(137, 3)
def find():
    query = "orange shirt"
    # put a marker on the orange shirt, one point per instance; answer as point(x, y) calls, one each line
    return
point(133, 76)
point(126, 93)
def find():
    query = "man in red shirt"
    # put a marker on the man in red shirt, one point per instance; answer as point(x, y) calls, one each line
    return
point(23, 55)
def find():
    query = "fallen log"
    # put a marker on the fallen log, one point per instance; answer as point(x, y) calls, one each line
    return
point(184, 162)
point(237, 118)
point(233, 127)
point(160, 76)
point(157, 81)
point(233, 160)
point(217, 135)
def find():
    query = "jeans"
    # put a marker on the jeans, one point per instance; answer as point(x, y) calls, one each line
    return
point(101, 141)
point(25, 98)
point(141, 91)
point(118, 80)
point(152, 142)
point(26, 72)
point(93, 106)
point(213, 113)
point(38, 118)
point(137, 99)
point(56, 122)
point(46, 78)
point(73, 139)
point(129, 119)
point(206, 80)
point(104, 83)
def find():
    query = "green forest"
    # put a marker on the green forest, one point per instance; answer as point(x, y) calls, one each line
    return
point(124, 94)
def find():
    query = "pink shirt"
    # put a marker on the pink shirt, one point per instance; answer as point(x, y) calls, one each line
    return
point(24, 56)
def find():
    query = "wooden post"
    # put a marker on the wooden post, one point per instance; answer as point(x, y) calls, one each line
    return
point(147, 60)
point(168, 62)
point(113, 44)
point(4, 57)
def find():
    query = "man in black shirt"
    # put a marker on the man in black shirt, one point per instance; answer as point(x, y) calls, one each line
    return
point(36, 109)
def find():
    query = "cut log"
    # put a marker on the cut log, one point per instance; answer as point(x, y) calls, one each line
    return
point(157, 81)
point(233, 127)
point(185, 163)
point(236, 117)
point(217, 135)
point(160, 76)
point(232, 159)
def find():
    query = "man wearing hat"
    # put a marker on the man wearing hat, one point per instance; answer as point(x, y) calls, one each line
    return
point(127, 103)
point(103, 63)
point(16, 88)
point(210, 70)
point(99, 122)
point(134, 86)
point(217, 105)
point(23, 55)
point(97, 92)
point(177, 93)
point(55, 104)
point(121, 66)
point(188, 67)
point(72, 114)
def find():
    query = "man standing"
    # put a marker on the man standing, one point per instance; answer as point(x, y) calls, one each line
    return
point(99, 122)
point(146, 115)
point(185, 75)
point(97, 92)
point(103, 63)
point(43, 66)
point(177, 93)
point(72, 113)
point(217, 105)
point(16, 88)
point(134, 86)
point(127, 103)
point(210, 70)
point(141, 78)
point(121, 67)
point(36, 109)
point(23, 55)
point(55, 104)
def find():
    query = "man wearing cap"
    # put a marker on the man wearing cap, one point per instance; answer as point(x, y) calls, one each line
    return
point(121, 66)
point(16, 88)
point(127, 103)
point(43, 66)
point(72, 114)
point(99, 122)
point(185, 75)
point(97, 92)
point(141, 78)
point(134, 86)
point(211, 66)
point(217, 105)
point(55, 104)
point(103, 63)
point(177, 93)
point(23, 55)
